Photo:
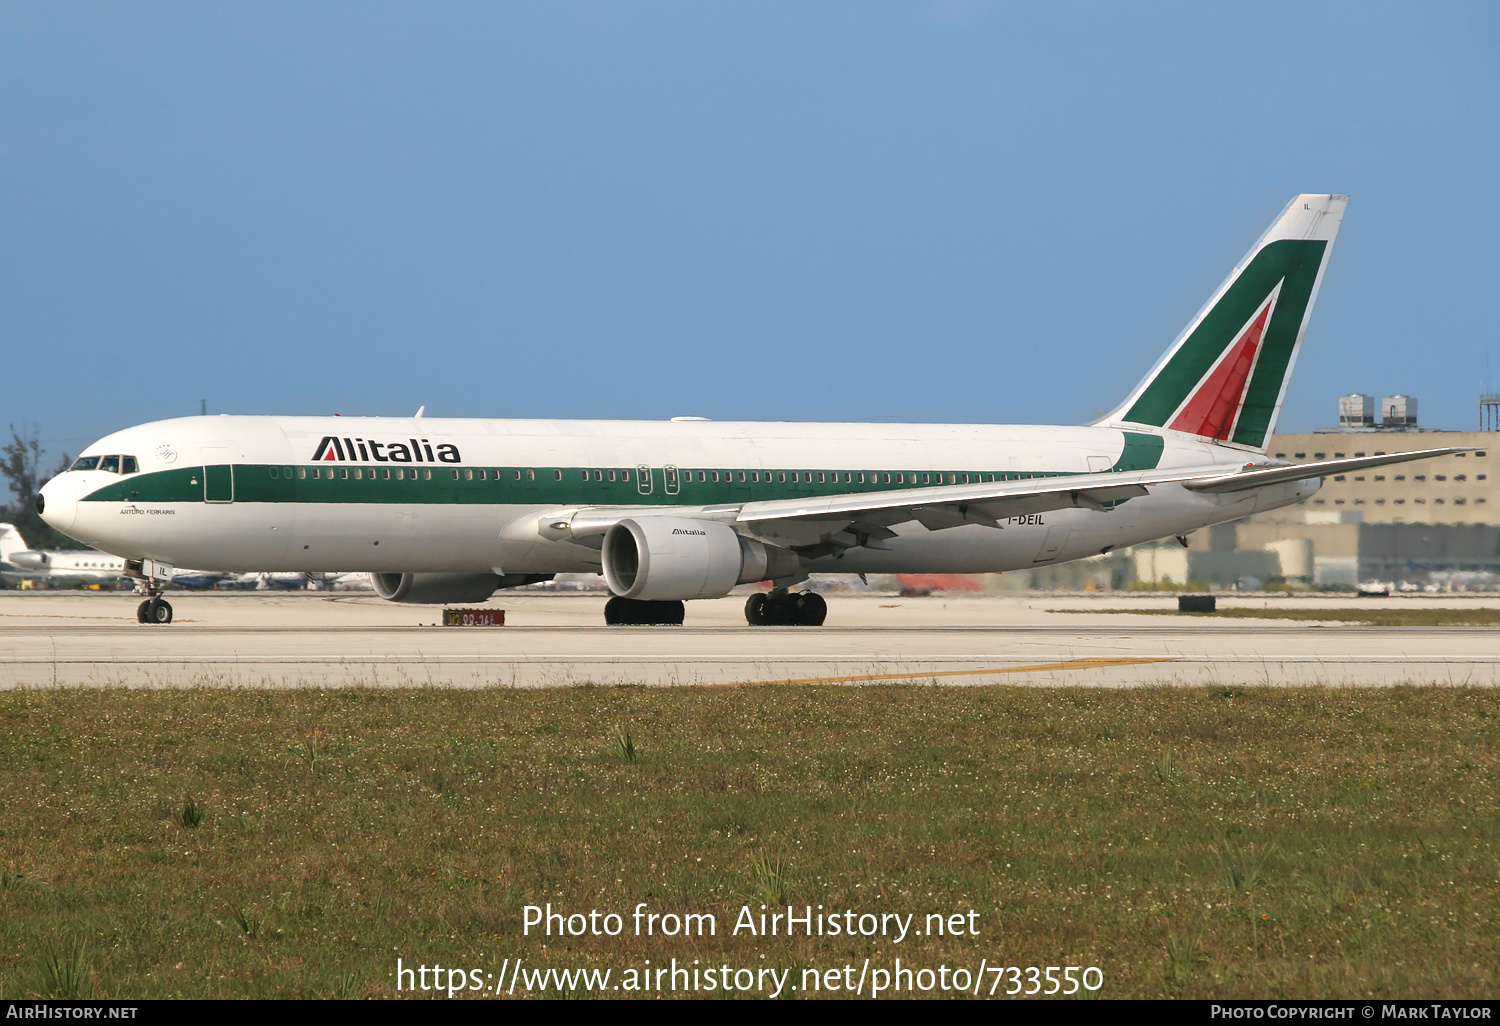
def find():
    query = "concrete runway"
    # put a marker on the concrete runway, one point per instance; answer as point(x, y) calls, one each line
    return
point(296, 639)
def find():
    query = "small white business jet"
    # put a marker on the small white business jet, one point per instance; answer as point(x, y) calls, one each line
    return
point(82, 564)
point(450, 510)
point(72, 564)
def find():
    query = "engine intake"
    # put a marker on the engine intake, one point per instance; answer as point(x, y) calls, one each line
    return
point(667, 559)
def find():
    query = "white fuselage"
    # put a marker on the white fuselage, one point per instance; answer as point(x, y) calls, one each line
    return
point(440, 495)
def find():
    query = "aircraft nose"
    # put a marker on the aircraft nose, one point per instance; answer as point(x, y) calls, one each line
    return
point(57, 502)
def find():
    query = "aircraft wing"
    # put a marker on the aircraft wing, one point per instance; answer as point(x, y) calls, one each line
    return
point(824, 524)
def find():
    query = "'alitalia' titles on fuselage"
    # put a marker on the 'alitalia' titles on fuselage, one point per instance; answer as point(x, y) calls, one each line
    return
point(333, 449)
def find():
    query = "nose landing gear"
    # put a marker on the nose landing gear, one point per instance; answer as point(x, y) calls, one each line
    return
point(154, 610)
point(781, 608)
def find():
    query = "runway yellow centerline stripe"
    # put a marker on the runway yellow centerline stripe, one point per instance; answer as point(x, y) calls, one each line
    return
point(1075, 664)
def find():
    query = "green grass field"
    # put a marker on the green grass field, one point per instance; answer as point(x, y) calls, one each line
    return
point(1188, 842)
point(1394, 616)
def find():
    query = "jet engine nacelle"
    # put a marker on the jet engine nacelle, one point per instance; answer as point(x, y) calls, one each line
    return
point(441, 589)
point(666, 559)
point(27, 559)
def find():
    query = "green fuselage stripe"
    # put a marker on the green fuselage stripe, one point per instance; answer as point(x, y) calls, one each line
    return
point(560, 486)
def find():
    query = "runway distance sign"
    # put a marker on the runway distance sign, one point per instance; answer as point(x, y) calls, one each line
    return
point(473, 618)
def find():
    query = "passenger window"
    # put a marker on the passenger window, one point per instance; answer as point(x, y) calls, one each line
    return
point(110, 463)
point(702, 475)
point(428, 474)
point(781, 476)
point(531, 475)
point(557, 475)
point(401, 473)
point(286, 472)
point(861, 477)
point(625, 475)
point(344, 473)
point(584, 474)
point(317, 473)
point(301, 473)
point(483, 475)
point(468, 474)
point(611, 475)
point(742, 476)
point(755, 477)
point(716, 477)
point(517, 473)
point(274, 473)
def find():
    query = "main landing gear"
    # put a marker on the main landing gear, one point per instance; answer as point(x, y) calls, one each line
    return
point(781, 608)
point(635, 611)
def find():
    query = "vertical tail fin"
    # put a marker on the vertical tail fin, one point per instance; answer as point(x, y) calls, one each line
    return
point(10, 541)
point(1225, 376)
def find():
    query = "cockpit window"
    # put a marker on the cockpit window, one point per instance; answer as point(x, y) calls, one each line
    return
point(115, 464)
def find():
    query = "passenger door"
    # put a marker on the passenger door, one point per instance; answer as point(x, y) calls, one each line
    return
point(218, 474)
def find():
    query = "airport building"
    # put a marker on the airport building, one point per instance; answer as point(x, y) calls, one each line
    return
point(1426, 523)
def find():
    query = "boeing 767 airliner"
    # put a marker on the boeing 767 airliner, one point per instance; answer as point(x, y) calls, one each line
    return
point(441, 510)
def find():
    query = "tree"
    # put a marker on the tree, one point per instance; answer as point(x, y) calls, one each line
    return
point(21, 463)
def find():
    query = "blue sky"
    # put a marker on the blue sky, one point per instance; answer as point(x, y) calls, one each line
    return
point(951, 210)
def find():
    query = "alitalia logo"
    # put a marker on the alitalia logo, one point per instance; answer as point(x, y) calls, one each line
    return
point(1225, 378)
point(367, 450)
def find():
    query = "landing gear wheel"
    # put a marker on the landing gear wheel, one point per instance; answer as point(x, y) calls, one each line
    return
point(812, 610)
point(779, 608)
point(154, 610)
point(620, 610)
